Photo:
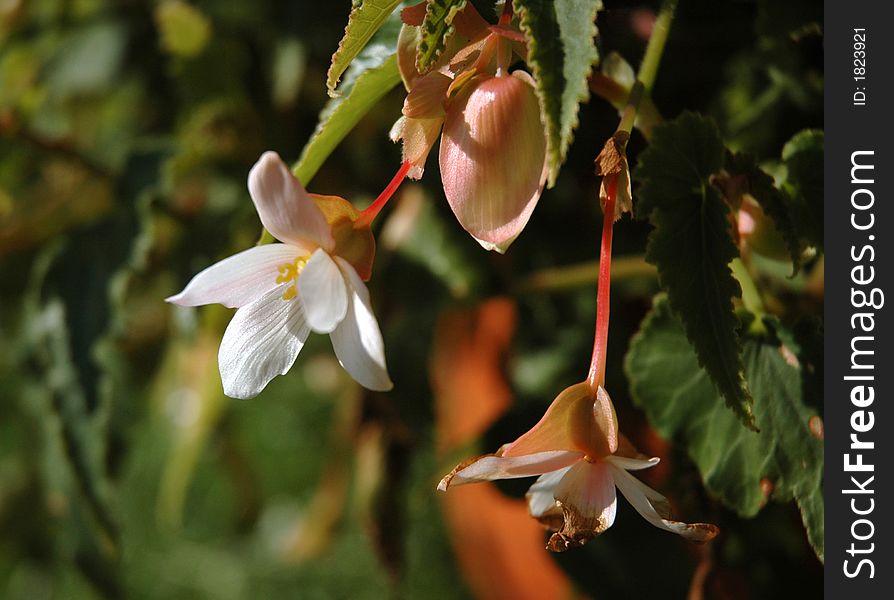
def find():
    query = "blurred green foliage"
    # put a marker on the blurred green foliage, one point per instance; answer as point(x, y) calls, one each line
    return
point(127, 128)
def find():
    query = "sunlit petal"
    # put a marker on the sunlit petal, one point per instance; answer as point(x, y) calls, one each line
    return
point(574, 421)
point(357, 340)
point(284, 206)
point(490, 467)
point(323, 293)
point(417, 135)
point(262, 341)
point(493, 157)
point(238, 280)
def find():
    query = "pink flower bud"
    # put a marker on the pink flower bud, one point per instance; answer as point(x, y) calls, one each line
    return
point(759, 233)
point(493, 157)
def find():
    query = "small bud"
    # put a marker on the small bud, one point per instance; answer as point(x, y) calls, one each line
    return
point(759, 232)
point(493, 157)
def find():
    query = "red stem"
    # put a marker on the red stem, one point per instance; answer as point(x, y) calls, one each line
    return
point(596, 376)
point(506, 15)
point(372, 211)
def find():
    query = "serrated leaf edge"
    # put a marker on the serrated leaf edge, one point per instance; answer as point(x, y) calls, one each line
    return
point(349, 48)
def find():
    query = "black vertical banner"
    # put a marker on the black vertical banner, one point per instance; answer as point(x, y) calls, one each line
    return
point(859, 370)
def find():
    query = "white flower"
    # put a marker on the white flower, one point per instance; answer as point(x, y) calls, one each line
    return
point(580, 458)
point(309, 282)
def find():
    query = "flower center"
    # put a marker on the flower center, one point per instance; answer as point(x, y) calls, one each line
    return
point(289, 272)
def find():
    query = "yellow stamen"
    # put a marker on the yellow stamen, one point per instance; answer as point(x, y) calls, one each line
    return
point(290, 272)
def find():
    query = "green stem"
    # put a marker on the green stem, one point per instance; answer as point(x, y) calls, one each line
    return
point(624, 268)
point(648, 69)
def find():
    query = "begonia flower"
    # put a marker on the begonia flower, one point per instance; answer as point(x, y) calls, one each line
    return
point(580, 458)
point(493, 157)
point(493, 147)
point(313, 280)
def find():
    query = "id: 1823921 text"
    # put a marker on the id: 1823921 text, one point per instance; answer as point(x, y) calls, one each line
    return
point(860, 66)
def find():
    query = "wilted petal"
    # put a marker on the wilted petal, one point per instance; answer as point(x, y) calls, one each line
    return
point(493, 157)
point(612, 165)
point(655, 508)
point(238, 280)
point(284, 206)
point(357, 340)
point(262, 341)
point(491, 467)
point(586, 495)
point(321, 287)
point(574, 421)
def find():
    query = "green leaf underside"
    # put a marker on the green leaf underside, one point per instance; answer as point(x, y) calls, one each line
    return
point(561, 52)
point(374, 78)
point(774, 202)
point(692, 247)
point(363, 23)
point(437, 27)
point(732, 459)
point(803, 157)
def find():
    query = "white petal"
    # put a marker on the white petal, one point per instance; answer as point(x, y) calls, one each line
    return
point(655, 508)
point(262, 341)
point(284, 206)
point(321, 287)
point(632, 464)
point(357, 340)
point(239, 279)
point(488, 468)
point(587, 495)
point(541, 496)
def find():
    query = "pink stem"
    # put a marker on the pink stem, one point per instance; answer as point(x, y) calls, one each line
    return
point(372, 211)
point(596, 376)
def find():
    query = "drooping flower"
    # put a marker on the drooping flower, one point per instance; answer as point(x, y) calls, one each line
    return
point(580, 458)
point(312, 281)
point(493, 146)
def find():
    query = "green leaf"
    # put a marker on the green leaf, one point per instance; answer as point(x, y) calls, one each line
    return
point(561, 53)
point(437, 27)
point(692, 247)
point(775, 203)
point(734, 461)
point(364, 21)
point(371, 76)
point(803, 157)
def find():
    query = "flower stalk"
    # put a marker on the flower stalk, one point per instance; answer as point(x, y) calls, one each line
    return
point(596, 377)
point(612, 165)
point(372, 211)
